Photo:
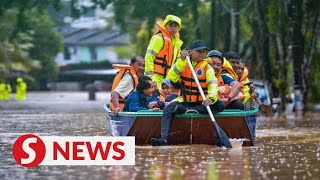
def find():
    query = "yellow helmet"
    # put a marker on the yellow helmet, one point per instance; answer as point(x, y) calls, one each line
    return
point(19, 80)
point(170, 18)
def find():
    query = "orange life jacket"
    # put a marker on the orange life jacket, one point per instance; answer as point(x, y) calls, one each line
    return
point(221, 83)
point(220, 80)
point(230, 71)
point(242, 81)
point(191, 89)
point(244, 76)
point(123, 69)
point(164, 58)
point(162, 96)
point(223, 95)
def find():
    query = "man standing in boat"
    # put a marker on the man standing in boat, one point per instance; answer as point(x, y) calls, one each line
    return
point(125, 82)
point(163, 49)
point(191, 99)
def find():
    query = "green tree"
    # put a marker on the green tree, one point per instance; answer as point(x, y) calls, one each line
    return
point(47, 43)
point(305, 24)
point(14, 52)
point(17, 38)
point(278, 25)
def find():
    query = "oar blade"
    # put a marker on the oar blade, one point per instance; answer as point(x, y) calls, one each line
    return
point(223, 140)
point(266, 110)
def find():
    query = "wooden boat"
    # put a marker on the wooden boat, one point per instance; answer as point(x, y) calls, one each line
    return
point(187, 128)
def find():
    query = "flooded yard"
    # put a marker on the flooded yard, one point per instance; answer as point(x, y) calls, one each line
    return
point(285, 149)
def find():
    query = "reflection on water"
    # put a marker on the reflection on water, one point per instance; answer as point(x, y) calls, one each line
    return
point(285, 149)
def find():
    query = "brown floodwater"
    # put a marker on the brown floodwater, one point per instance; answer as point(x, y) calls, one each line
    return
point(284, 149)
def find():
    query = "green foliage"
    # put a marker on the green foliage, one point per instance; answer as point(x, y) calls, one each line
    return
point(185, 36)
point(142, 40)
point(125, 52)
point(245, 29)
point(27, 36)
point(14, 51)
point(314, 82)
point(47, 43)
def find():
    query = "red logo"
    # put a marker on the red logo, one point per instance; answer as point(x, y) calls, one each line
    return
point(29, 150)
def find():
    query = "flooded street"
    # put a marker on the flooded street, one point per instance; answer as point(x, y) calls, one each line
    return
point(285, 149)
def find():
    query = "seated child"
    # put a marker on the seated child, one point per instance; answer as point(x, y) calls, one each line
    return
point(165, 89)
point(175, 88)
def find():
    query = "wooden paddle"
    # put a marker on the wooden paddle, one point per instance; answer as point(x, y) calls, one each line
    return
point(223, 139)
point(264, 109)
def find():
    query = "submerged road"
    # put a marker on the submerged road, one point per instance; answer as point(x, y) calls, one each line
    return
point(285, 149)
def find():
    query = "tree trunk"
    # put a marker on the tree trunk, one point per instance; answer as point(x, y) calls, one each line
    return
point(194, 9)
point(235, 26)
point(256, 64)
point(263, 42)
point(282, 58)
point(297, 39)
point(309, 59)
point(212, 29)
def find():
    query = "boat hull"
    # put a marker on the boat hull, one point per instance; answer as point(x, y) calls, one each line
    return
point(185, 128)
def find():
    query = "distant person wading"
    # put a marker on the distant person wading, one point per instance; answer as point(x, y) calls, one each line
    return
point(21, 89)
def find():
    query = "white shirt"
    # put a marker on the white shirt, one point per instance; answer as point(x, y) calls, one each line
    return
point(125, 86)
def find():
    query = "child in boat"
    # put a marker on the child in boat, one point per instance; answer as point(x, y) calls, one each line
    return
point(165, 89)
point(142, 99)
point(175, 88)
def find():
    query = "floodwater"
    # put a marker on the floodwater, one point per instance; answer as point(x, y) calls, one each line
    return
point(285, 149)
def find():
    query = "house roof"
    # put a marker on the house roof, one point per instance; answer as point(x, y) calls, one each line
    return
point(93, 37)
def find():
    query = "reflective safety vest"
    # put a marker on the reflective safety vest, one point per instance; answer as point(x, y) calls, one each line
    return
point(164, 58)
point(123, 69)
point(192, 93)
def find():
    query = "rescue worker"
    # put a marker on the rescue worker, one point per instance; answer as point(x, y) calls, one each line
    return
point(191, 99)
point(229, 89)
point(21, 89)
point(125, 82)
point(6, 92)
point(163, 49)
point(2, 89)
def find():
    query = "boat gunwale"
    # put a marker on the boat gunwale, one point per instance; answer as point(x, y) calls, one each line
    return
point(151, 113)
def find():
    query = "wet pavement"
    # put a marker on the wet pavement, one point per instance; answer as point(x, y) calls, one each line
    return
point(285, 149)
